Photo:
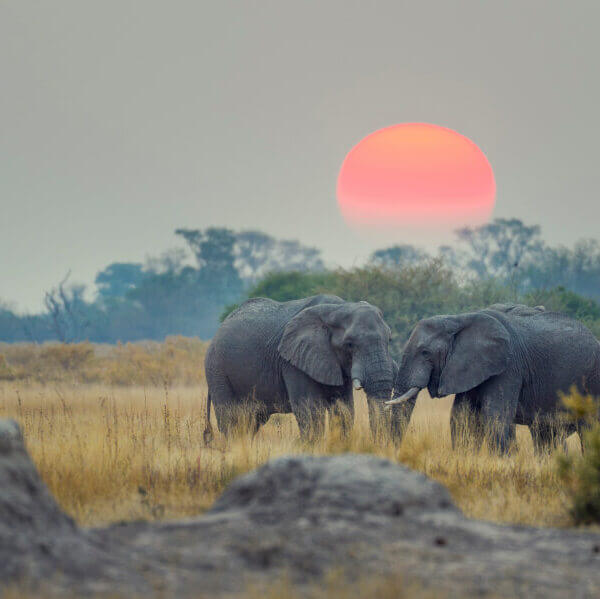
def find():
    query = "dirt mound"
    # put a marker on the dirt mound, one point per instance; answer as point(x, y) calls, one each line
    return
point(338, 487)
point(39, 543)
point(297, 516)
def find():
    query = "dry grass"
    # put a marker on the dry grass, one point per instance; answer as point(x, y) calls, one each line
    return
point(178, 360)
point(111, 453)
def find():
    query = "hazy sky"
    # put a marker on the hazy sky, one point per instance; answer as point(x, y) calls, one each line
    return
point(121, 120)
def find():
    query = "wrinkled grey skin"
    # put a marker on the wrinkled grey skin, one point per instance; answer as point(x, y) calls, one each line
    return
point(300, 356)
point(506, 363)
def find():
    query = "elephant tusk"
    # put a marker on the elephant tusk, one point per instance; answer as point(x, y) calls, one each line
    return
point(410, 394)
point(357, 384)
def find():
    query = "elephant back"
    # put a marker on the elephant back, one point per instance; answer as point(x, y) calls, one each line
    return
point(253, 306)
point(262, 307)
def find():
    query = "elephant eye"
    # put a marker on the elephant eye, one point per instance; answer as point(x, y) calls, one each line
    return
point(426, 353)
point(349, 345)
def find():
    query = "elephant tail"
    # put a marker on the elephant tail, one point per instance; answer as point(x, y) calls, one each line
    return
point(208, 431)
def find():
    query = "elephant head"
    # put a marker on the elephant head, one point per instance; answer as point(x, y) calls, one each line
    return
point(451, 354)
point(338, 343)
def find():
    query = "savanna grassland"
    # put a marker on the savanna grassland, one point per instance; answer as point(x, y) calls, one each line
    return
point(116, 433)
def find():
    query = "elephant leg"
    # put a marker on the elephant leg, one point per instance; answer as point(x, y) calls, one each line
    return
point(499, 397)
point(310, 416)
point(376, 418)
point(235, 416)
point(236, 419)
point(308, 402)
point(225, 405)
point(227, 418)
point(465, 421)
point(546, 435)
point(400, 418)
point(241, 418)
point(389, 422)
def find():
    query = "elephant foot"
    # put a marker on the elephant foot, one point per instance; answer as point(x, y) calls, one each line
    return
point(208, 435)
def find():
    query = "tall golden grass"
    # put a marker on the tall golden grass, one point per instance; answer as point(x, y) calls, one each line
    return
point(178, 360)
point(111, 453)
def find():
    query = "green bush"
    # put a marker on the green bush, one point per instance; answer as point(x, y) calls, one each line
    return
point(410, 293)
point(581, 474)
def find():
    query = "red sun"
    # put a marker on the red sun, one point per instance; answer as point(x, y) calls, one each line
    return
point(416, 174)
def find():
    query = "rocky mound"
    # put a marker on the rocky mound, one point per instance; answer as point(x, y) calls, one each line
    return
point(299, 516)
point(39, 543)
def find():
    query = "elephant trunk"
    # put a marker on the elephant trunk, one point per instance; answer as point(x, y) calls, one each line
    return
point(373, 372)
point(382, 390)
point(379, 384)
point(410, 380)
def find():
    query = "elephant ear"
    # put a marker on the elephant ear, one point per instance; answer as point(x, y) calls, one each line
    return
point(478, 351)
point(306, 345)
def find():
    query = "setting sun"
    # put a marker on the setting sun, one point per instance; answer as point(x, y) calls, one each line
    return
point(416, 174)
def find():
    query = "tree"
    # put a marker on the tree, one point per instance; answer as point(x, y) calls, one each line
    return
point(213, 248)
point(118, 278)
point(577, 269)
point(184, 303)
point(252, 254)
point(498, 249)
point(253, 250)
point(585, 268)
point(294, 256)
point(68, 311)
point(10, 328)
point(399, 256)
point(171, 260)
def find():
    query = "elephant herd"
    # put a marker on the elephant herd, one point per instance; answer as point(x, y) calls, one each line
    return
point(506, 364)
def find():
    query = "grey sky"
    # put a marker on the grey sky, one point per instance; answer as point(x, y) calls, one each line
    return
point(123, 120)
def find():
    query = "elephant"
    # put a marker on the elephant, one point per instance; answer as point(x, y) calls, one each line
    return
point(303, 357)
point(506, 364)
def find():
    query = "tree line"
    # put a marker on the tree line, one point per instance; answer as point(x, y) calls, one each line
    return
point(187, 292)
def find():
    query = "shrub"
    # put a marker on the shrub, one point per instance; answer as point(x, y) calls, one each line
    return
point(581, 474)
point(69, 357)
